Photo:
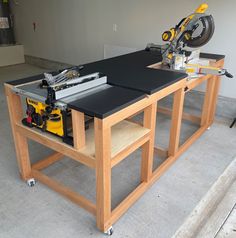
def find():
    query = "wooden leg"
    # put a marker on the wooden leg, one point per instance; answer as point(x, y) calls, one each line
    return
point(21, 144)
point(217, 80)
point(214, 100)
point(206, 112)
point(78, 129)
point(176, 121)
point(149, 122)
point(103, 174)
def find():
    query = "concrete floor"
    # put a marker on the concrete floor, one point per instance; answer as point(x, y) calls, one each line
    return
point(228, 229)
point(39, 212)
point(222, 223)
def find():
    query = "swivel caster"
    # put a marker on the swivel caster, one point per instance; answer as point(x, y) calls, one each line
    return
point(31, 182)
point(110, 231)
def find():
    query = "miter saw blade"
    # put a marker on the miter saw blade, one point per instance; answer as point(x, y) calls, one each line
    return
point(201, 33)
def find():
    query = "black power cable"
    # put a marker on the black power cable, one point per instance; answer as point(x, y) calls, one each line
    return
point(234, 122)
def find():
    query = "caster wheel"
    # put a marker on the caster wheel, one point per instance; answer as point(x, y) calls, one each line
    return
point(110, 231)
point(31, 182)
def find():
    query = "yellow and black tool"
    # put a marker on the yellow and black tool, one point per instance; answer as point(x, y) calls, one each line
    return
point(202, 69)
point(45, 117)
point(51, 119)
point(193, 31)
point(169, 35)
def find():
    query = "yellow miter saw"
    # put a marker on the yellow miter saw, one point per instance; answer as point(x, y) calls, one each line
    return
point(193, 31)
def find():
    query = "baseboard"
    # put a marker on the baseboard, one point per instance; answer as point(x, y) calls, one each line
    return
point(226, 107)
point(45, 63)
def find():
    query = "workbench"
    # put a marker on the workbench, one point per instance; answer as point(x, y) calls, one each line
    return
point(135, 86)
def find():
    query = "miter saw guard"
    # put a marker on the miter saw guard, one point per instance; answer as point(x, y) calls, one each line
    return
point(193, 31)
point(202, 38)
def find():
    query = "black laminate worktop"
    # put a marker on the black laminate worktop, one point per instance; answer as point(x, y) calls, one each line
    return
point(107, 101)
point(130, 79)
point(130, 71)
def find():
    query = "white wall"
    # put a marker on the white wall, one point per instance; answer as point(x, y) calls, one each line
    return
point(75, 31)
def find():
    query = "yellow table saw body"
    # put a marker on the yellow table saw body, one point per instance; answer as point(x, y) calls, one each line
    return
point(54, 123)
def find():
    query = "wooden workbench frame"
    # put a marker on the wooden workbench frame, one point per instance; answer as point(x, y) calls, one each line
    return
point(207, 116)
point(103, 163)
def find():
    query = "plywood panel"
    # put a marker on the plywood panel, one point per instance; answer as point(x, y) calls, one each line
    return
point(123, 134)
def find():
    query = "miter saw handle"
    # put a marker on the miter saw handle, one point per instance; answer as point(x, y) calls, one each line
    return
point(180, 23)
point(224, 72)
point(228, 75)
point(170, 34)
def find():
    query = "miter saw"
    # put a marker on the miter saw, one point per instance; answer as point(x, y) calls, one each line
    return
point(193, 31)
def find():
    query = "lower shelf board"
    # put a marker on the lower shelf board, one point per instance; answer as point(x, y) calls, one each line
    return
point(123, 135)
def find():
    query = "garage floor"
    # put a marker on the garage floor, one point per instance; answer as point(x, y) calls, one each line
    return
point(222, 223)
point(39, 212)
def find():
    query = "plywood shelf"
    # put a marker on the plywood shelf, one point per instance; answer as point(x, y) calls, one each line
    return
point(123, 135)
